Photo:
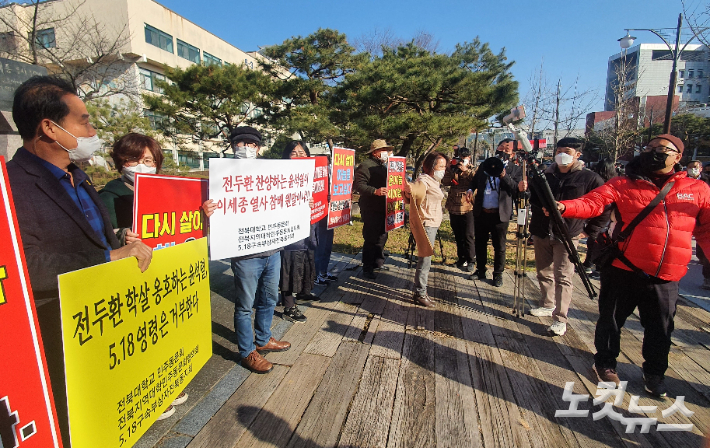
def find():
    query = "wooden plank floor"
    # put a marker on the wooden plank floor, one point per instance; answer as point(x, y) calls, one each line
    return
point(371, 369)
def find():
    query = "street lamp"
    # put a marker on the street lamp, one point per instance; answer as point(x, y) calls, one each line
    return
point(628, 40)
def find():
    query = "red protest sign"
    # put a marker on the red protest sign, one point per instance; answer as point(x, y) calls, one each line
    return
point(320, 190)
point(396, 172)
point(167, 209)
point(27, 415)
point(341, 188)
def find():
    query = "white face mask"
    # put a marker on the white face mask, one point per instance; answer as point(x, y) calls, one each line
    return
point(384, 155)
point(245, 152)
point(465, 162)
point(129, 172)
point(694, 172)
point(564, 159)
point(438, 175)
point(85, 147)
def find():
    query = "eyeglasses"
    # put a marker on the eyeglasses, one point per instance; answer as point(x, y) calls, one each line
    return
point(659, 149)
point(147, 161)
point(247, 144)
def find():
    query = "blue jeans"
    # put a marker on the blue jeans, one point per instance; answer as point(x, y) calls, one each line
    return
point(325, 246)
point(421, 276)
point(257, 283)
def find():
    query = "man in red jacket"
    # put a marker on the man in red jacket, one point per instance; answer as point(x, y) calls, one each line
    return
point(660, 246)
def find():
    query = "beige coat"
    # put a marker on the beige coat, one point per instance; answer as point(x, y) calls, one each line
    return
point(426, 197)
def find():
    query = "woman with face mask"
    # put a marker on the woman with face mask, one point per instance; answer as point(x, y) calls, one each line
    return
point(427, 195)
point(133, 153)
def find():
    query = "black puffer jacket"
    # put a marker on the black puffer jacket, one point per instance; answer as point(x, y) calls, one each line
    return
point(571, 185)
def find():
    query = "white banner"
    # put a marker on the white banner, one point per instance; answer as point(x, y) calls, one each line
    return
point(262, 205)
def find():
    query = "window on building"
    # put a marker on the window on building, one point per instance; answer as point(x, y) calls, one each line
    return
point(187, 51)
point(148, 79)
point(690, 73)
point(45, 38)
point(158, 38)
point(211, 60)
point(680, 88)
point(681, 73)
point(698, 88)
point(689, 88)
point(157, 120)
point(7, 42)
point(700, 73)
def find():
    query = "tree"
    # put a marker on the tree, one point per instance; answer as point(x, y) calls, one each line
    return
point(205, 102)
point(415, 99)
point(113, 121)
point(374, 43)
point(304, 71)
point(65, 37)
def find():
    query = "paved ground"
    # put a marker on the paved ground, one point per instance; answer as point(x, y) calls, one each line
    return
point(369, 369)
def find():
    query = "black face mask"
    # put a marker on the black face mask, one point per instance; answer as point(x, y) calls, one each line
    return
point(504, 156)
point(652, 161)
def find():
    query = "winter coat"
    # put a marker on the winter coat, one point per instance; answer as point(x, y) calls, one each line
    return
point(457, 202)
point(118, 199)
point(429, 209)
point(370, 175)
point(506, 193)
point(660, 245)
point(576, 183)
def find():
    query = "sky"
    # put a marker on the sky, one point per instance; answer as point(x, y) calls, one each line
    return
point(572, 39)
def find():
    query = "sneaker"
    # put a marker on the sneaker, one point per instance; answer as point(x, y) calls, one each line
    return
point(542, 311)
point(331, 276)
point(654, 385)
point(588, 270)
point(497, 280)
point(595, 275)
point(321, 280)
point(478, 275)
point(463, 265)
point(706, 283)
point(180, 399)
point(294, 314)
point(607, 375)
point(558, 328)
point(167, 413)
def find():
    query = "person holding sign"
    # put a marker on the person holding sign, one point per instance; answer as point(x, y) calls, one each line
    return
point(371, 182)
point(427, 194)
point(298, 270)
point(256, 279)
point(133, 153)
point(64, 225)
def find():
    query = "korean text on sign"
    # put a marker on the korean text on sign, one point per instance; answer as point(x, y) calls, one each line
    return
point(26, 404)
point(133, 341)
point(259, 193)
point(167, 209)
point(396, 172)
point(320, 190)
point(341, 188)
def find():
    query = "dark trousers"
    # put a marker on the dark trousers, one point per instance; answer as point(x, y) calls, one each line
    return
point(373, 231)
point(621, 292)
point(490, 225)
point(703, 260)
point(462, 226)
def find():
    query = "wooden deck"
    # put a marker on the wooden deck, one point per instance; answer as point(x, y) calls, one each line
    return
point(370, 369)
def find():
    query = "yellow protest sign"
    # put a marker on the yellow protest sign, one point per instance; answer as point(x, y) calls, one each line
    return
point(133, 341)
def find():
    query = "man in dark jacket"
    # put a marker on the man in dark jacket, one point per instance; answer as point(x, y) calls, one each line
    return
point(568, 179)
point(63, 223)
point(371, 182)
point(493, 207)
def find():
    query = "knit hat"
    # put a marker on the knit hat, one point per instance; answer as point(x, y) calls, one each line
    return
point(245, 134)
point(678, 143)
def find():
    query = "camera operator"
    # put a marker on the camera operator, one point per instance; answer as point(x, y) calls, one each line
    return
point(458, 176)
point(649, 263)
point(568, 179)
point(494, 183)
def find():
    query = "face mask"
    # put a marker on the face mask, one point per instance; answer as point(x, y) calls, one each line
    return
point(85, 147)
point(652, 161)
point(694, 172)
point(384, 156)
point(438, 175)
point(504, 156)
point(564, 159)
point(244, 152)
point(465, 162)
point(129, 172)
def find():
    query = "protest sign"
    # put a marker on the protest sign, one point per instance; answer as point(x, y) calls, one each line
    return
point(262, 204)
point(27, 417)
point(167, 209)
point(396, 172)
point(320, 190)
point(133, 341)
point(341, 188)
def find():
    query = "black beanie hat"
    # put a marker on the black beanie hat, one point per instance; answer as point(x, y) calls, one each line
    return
point(245, 134)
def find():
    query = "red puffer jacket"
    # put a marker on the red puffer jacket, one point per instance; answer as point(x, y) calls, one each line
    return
point(661, 244)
